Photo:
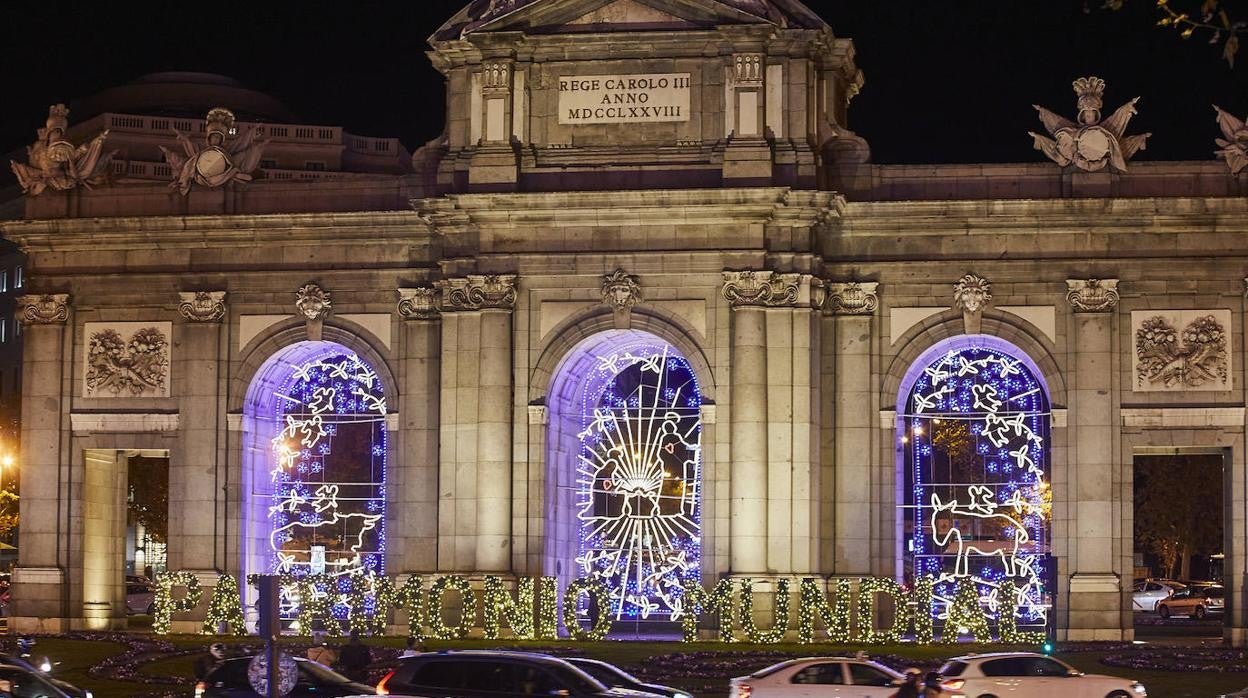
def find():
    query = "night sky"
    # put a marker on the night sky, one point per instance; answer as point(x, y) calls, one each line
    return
point(945, 81)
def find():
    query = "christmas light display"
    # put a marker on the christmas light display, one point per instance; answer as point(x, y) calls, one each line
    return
point(813, 605)
point(599, 597)
point(978, 505)
point(467, 607)
point(868, 592)
point(639, 480)
point(780, 624)
point(224, 609)
point(965, 615)
point(698, 602)
point(164, 605)
point(1007, 618)
point(921, 603)
point(547, 608)
point(499, 606)
point(328, 471)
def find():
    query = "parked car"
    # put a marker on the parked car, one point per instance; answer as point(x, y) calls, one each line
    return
point(24, 682)
point(140, 596)
point(615, 677)
point(485, 673)
point(1194, 602)
point(1030, 675)
point(230, 681)
point(1147, 593)
point(806, 677)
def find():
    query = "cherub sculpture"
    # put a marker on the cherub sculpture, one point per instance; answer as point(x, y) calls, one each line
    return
point(1091, 144)
point(214, 164)
point(1233, 148)
point(57, 163)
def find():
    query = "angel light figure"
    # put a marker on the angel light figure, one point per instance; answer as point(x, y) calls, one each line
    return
point(1234, 148)
point(57, 163)
point(215, 163)
point(1092, 143)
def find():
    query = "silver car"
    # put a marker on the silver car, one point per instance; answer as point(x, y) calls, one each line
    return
point(1193, 602)
point(1146, 594)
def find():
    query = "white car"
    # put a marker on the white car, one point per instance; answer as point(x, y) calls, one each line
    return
point(818, 676)
point(1028, 675)
point(1146, 594)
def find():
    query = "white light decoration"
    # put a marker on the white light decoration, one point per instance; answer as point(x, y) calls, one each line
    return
point(639, 480)
point(328, 473)
point(975, 438)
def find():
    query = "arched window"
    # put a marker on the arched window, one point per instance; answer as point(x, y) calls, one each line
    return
point(628, 438)
point(317, 464)
point(975, 438)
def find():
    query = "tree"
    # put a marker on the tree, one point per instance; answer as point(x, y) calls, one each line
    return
point(149, 495)
point(1199, 18)
point(1178, 508)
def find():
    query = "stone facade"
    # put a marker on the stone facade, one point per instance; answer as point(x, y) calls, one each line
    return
point(801, 285)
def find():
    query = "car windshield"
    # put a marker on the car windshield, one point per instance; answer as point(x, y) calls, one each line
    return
point(768, 671)
point(953, 668)
point(1214, 592)
point(28, 683)
point(606, 673)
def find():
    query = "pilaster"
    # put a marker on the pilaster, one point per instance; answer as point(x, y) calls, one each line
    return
point(1095, 596)
point(414, 479)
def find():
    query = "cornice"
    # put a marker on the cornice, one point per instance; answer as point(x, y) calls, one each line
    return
point(73, 234)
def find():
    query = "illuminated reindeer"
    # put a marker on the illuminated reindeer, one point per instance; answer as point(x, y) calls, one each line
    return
point(980, 507)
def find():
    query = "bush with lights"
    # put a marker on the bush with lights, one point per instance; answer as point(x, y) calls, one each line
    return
point(813, 605)
point(781, 624)
point(598, 596)
point(965, 614)
point(1007, 618)
point(698, 602)
point(868, 592)
point(921, 598)
point(498, 606)
point(547, 608)
point(467, 607)
point(225, 609)
point(165, 605)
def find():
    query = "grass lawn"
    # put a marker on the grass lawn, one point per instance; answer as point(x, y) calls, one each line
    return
point(76, 656)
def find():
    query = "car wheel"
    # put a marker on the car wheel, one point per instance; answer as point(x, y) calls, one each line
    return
point(986, 695)
point(151, 609)
point(1163, 610)
point(1200, 612)
point(1119, 694)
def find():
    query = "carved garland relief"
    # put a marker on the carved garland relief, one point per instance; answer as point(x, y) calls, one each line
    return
point(1182, 350)
point(127, 359)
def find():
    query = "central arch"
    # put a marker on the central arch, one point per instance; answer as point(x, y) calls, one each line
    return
point(624, 471)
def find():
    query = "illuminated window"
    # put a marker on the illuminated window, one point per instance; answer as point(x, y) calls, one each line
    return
point(975, 434)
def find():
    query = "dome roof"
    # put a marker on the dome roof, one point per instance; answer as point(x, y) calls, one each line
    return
point(184, 94)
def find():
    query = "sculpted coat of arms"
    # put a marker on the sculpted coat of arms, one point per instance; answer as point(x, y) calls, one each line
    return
point(127, 359)
point(1182, 350)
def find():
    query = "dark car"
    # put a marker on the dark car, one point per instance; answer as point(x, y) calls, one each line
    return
point(10, 660)
point(611, 675)
point(230, 681)
point(489, 674)
point(24, 682)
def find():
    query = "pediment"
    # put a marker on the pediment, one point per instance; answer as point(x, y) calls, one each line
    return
point(579, 16)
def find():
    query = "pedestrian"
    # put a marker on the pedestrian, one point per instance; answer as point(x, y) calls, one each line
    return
point(931, 685)
point(208, 663)
point(413, 648)
point(910, 687)
point(320, 651)
point(354, 658)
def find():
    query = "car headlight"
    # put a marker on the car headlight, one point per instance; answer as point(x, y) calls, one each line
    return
point(1138, 688)
point(682, 695)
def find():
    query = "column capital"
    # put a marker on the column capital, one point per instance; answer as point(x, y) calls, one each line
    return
point(313, 302)
point(479, 292)
point(419, 303)
point(45, 309)
point(1092, 295)
point(769, 289)
point(852, 297)
point(202, 306)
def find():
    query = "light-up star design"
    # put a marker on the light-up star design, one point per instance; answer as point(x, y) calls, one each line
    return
point(639, 481)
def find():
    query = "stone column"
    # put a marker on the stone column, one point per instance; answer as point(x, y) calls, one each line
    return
point(38, 590)
point(476, 445)
point(1095, 598)
point(772, 515)
point(414, 481)
point(852, 306)
point(194, 478)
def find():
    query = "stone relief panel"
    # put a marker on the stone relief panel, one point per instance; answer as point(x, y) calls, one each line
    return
point(127, 359)
point(1181, 350)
